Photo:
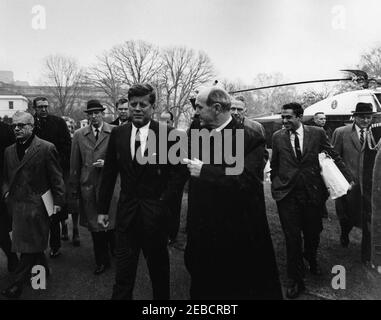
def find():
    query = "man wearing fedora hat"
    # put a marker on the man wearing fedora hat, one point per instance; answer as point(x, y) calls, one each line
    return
point(354, 144)
point(86, 164)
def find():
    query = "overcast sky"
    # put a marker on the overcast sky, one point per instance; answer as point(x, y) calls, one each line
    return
point(302, 39)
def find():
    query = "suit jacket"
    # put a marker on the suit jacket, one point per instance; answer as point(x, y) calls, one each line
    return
point(85, 178)
point(148, 192)
point(26, 181)
point(55, 130)
point(286, 169)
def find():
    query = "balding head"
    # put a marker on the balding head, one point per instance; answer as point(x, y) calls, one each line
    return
point(213, 106)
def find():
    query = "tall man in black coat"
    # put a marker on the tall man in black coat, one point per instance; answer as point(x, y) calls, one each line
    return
point(229, 252)
point(299, 190)
point(6, 139)
point(54, 129)
point(148, 192)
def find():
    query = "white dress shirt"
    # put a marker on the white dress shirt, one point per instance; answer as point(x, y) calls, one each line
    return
point(222, 126)
point(99, 130)
point(300, 133)
point(358, 129)
point(143, 132)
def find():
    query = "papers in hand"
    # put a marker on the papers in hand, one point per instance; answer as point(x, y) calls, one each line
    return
point(47, 198)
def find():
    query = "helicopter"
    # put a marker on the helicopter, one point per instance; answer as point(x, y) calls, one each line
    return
point(338, 108)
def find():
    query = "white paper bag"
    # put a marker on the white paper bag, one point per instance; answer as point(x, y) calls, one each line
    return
point(334, 180)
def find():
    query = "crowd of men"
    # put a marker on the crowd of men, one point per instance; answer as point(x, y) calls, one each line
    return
point(130, 205)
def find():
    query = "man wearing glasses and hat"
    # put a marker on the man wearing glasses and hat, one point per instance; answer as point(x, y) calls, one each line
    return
point(357, 145)
point(86, 165)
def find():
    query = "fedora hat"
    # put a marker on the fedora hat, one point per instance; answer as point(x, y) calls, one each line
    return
point(363, 108)
point(94, 105)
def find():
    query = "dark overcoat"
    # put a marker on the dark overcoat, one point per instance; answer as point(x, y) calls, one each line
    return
point(26, 182)
point(6, 139)
point(229, 252)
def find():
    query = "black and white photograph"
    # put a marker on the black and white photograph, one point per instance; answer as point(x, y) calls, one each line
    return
point(168, 150)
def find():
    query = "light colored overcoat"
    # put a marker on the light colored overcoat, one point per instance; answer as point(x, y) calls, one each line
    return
point(85, 178)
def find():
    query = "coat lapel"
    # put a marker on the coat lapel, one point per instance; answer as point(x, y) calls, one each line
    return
point(287, 141)
point(88, 133)
point(29, 154)
point(355, 139)
point(106, 130)
point(306, 140)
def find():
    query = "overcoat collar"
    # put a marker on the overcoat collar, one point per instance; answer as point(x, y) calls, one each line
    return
point(106, 130)
point(355, 138)
point(29, 154)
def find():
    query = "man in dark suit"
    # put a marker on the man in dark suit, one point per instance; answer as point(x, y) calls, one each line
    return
point(123, 114)
point(148, 192)
point(54, 129)
point(229, 252)
point(6, 139)
point(31, 169)
point(299, 190)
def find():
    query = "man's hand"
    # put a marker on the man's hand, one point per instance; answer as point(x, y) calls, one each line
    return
point(194, 166)
point(99, 163)
point(351, 185)
point(103, 220)
point(56, 209)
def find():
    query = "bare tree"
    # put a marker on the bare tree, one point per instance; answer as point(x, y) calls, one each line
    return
point(182, 72)
point(271, 100)
point(370, 62)
point(136, 62)
point(104, 75)
point(63, 77)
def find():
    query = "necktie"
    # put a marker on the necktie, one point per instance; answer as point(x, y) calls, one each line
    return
point(362, 137)
point(298, 151)
point(96, 134)
point(137, 142)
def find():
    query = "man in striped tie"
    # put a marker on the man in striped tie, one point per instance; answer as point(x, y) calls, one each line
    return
point(351, 143)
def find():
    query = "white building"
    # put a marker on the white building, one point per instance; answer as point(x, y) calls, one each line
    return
point(10, 104)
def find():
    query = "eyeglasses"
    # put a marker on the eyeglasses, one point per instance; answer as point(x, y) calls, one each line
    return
point(19, 125)
point(42, 107)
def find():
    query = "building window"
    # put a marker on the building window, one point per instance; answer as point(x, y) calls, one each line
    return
point(10, 104)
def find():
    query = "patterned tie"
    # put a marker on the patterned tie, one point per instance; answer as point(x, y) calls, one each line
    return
point(362, 139)
point(96, 134)
point(298, 151)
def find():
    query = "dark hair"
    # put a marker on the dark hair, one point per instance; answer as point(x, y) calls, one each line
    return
point(141, 90)
point(121, 101)
point(171, 114)
point(320, 112)
point(240, 98)
point(35, 100)
point(296, 107)
point(217, 95)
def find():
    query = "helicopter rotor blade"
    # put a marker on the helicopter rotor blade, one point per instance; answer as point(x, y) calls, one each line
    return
point(289, 84)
